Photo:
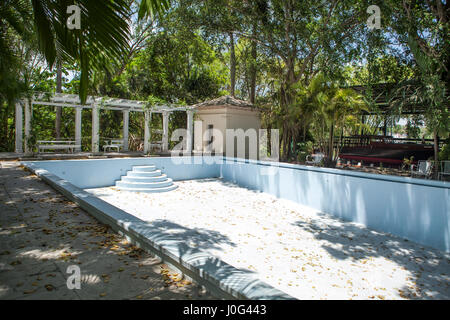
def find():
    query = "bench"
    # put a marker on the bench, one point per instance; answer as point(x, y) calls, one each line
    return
point(115, 143)
point(54, 145)
point(156, 146)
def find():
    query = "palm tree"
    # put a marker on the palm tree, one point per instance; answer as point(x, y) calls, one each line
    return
point(326, 105)
point(103, 37)
point(338, 105)
point(10, 19)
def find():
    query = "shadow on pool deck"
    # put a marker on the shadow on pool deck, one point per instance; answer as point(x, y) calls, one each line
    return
point(187, 241)
point(196, 247)
point(429, 268)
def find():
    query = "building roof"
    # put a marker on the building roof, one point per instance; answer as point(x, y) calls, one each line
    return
point(224, 101)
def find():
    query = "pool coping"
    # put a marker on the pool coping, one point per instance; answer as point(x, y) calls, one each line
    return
point(336, 171)
point(217, 276)
point(221, 160)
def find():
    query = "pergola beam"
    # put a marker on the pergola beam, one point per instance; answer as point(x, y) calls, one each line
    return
point(72, 100)
point(96, 104)
point(68, 105)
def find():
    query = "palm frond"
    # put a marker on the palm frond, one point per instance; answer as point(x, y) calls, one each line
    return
point(152, 7)
point(103, 37)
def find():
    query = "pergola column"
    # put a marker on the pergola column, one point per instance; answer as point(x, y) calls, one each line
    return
point(19, 120)
point(126, 119)
point(78, 112)
point(27, 126)
point(165, 135)
point(189, 129)
point(148, 118)
point(198, 136)
point(95, 128)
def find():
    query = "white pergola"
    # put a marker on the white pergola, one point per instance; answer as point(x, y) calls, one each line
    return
point(97, 103)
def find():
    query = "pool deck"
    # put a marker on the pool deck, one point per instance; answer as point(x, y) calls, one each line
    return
point(42, 233)
point(297, 250)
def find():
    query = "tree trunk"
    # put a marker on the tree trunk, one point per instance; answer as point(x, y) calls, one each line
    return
point(436, 154)
point(330, 146)
point(253, 71)
point(4, 137)
point(287, 130)
point(294, 145)
point(232, 65)
point(58, 110)
point(285, 144)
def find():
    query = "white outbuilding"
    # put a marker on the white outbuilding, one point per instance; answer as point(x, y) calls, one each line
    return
point(213, 118)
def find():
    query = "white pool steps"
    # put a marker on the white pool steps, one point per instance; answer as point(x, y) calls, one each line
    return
point(145, 179)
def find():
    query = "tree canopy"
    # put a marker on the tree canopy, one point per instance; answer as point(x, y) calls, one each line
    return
point(295, 60)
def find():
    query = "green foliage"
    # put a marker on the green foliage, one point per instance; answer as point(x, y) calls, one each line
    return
point(384, 69)
point(413, 127)
point(324, 107)
point(444, 155)
point(90, 50)
point(152, 7)
point(407, 163)
point(304, 149)
point(153, 101)
point(297, 56)
point(176, 67)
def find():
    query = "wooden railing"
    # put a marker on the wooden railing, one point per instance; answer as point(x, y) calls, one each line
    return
point(361, 141)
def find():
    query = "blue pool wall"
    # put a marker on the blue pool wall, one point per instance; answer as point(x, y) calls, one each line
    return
point(415, 209)
point(98, 173)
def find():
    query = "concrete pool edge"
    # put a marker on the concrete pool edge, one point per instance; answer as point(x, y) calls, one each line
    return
point(220, 278)
point(341, 172)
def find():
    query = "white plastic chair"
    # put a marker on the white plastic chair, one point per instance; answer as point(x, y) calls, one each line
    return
point(445, 169)
point(314, 159)
point(422, 169)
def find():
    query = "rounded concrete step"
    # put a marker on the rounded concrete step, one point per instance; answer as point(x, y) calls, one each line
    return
point(144, 168)
point(145, 179)
point(162, 177)
point(144, 174)
point(152, 190)
point(144, 185)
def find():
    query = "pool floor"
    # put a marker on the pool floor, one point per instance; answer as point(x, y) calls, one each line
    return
point(296, 249)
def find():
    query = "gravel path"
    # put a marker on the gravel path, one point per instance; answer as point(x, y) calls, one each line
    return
point(305, 253)
point(41, 234)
